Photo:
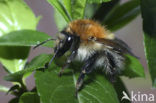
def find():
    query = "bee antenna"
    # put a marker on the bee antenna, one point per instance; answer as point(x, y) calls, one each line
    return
point(52, 58)
point(42, 43)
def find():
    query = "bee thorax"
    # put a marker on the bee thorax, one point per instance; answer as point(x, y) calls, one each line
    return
point(84, 53)
point(87, 50)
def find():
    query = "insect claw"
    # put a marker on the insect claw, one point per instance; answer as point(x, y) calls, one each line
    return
point(113, 79)
point(62, 70)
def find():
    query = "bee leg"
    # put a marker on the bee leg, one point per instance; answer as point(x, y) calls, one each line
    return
point(86, 69)
point(79, 82)
point(69, 60)
point(74, 48)
point(113, 76)
point(113, 71)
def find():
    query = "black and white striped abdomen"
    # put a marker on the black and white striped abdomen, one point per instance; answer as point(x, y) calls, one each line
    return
point(106, 59)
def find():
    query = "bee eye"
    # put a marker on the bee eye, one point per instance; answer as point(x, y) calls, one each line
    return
point(63, 46)
point(69, 39)
point(64, 41)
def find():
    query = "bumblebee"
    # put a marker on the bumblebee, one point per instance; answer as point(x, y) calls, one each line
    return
point(94, 45)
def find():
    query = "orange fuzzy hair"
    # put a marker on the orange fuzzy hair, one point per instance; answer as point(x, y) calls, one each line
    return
point(88, 28)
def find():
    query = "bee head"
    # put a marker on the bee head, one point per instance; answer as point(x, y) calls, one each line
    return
point(63, 43)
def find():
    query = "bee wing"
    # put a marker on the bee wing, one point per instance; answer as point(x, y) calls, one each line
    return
point(117, 45)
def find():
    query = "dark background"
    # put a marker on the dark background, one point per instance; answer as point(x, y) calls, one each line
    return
point(132, 34)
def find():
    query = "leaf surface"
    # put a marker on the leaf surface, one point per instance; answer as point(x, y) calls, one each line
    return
point(29, 97)
point(97, 1)
point(78, 9)
point(13, 17)
point(25, 38)
point(148, 8)
point(62, 6)
point(3, 89)
point(122, 14)
point(37, 63)
point(54, 89)
point(133, 67)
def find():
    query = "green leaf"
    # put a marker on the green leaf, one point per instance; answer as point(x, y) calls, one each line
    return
point(54, 89)
point(13, 58)
point(148, 8)
point(78, 8)
point(120, 88)
point(90, 10)
point(103, 9)
point(122, 14)
point(3, 89)
point(150, 51)
point(37, 63)
point(67, 4)
point(25, 38)
point(97, 1)
point(29, 97)
point(63, 7)
point(133, 67)
point(61, 23)
point(13, 17)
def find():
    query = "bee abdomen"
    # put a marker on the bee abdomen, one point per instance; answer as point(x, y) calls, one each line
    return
point(110, 61)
